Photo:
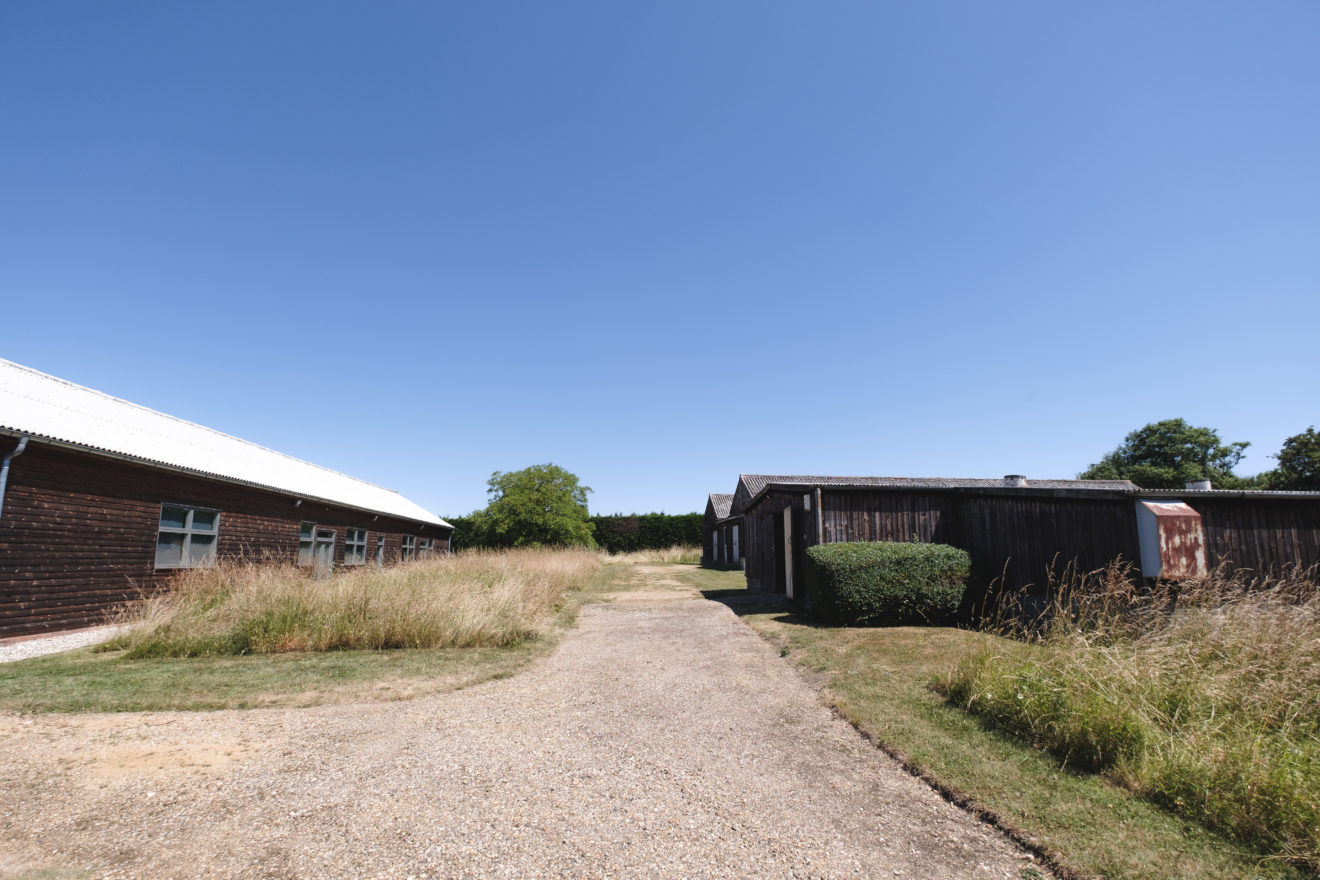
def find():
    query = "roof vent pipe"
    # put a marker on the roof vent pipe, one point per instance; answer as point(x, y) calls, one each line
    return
point(1197, 486)
point(1017, 481)
point(4, 469)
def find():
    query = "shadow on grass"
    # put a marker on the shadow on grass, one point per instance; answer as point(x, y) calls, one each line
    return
point(742, 603)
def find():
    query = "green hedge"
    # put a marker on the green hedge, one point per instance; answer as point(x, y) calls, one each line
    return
point(885, 583)
point(650, 531)
point(617, 534)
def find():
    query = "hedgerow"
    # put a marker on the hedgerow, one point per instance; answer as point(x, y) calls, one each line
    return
point(651, 531)
point(885, 582)
point(615, 534)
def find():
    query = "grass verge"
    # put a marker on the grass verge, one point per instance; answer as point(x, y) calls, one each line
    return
point(1082, 824)
point(108, 681)
point(1203, 697)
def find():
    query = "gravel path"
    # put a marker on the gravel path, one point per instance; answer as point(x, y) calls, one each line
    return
point(663, 739)
point(25, 648)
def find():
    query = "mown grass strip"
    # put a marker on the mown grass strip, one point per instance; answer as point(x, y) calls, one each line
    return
point(879, 679)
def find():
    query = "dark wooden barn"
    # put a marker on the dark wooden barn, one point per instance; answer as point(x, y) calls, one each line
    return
point(721, 533)
point(1015, 529)
point(101, 499)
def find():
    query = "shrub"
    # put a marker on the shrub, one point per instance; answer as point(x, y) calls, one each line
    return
point(650, 531)
point(885, 582)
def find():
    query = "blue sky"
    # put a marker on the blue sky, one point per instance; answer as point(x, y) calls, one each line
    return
point(662, 244)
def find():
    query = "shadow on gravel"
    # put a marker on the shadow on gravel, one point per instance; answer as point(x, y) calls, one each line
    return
point(742, 603)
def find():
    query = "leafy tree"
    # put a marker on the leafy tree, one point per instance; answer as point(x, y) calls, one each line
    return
point(1299, 463)
point(1165, 455)
point(543, 505)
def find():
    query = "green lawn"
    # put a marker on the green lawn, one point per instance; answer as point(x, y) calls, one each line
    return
point(879, 679)
point(89, 681)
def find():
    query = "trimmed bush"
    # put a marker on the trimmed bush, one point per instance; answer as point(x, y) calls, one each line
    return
point(886, 583)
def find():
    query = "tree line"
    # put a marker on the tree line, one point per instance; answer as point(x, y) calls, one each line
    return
point(1167, 454)
point(546, 506)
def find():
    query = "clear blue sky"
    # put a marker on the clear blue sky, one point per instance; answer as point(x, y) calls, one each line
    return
point(662, 244)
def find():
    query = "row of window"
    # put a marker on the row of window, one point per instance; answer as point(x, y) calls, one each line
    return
point(188, 536)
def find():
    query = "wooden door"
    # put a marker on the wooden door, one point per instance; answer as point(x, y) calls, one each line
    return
point(788, 551)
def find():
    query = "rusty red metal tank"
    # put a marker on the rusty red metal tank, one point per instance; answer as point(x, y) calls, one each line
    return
point(1172, 540)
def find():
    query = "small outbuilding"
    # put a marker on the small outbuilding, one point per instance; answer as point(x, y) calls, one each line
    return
point(1017, 530)
point(721, 533)
point(102, 500)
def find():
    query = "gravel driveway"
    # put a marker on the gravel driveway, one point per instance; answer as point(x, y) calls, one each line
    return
point(662, 739)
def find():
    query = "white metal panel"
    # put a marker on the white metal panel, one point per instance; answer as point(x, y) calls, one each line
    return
point(43, 406)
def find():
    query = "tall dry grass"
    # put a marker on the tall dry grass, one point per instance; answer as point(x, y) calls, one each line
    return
point(1203, 696)
point(477, 598)
point(677, 554)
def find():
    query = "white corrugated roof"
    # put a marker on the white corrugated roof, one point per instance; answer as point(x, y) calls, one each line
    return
point(35, 403)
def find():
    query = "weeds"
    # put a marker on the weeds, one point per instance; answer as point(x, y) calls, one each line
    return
point(475, 599)
point(677, 554)
point(1201, 696)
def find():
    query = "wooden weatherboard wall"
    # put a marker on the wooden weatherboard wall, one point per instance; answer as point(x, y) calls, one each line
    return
point(1020, 535)
point(78, 532)
point(1261, 535)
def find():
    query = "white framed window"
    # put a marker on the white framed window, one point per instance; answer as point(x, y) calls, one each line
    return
point(409, 549)
point(380, 550)
point(427, 547)
point(306, 542)
point(187, 536)
point(355, 547)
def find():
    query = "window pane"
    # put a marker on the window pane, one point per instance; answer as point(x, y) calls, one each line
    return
point(172, 517)
point(169, 550)
point(306, 531)
point(201, 550)
point(204, 520)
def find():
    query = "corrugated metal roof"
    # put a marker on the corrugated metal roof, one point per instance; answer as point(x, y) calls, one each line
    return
point(1228, 493)
point(46, 407)
point(721, 505)
point(756, 483)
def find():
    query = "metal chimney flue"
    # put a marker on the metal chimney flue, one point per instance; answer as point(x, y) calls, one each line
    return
point(1017, 481)
point(1197, 486)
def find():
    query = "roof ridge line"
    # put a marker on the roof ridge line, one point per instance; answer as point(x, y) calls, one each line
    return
point(183, 421)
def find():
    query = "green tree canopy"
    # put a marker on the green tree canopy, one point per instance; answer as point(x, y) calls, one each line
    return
point(1299, 463)
point(1165, 455)
point(543, 505)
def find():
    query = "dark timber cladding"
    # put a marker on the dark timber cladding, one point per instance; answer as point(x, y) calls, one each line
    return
point(1013, 529)
point(78, 532)
point(717, 510)
point(1262, 535)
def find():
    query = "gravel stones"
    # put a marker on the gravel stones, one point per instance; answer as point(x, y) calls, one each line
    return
point(662, 739)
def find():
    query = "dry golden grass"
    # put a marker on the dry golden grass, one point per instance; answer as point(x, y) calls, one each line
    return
point(474, 599)
point(1203, 696)
point(671, 555)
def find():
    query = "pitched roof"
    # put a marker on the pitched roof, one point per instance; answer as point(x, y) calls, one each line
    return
point(40, 405)
point(757, 484)
point(721, 505)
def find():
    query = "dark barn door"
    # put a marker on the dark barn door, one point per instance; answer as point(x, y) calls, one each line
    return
point(777, 532)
